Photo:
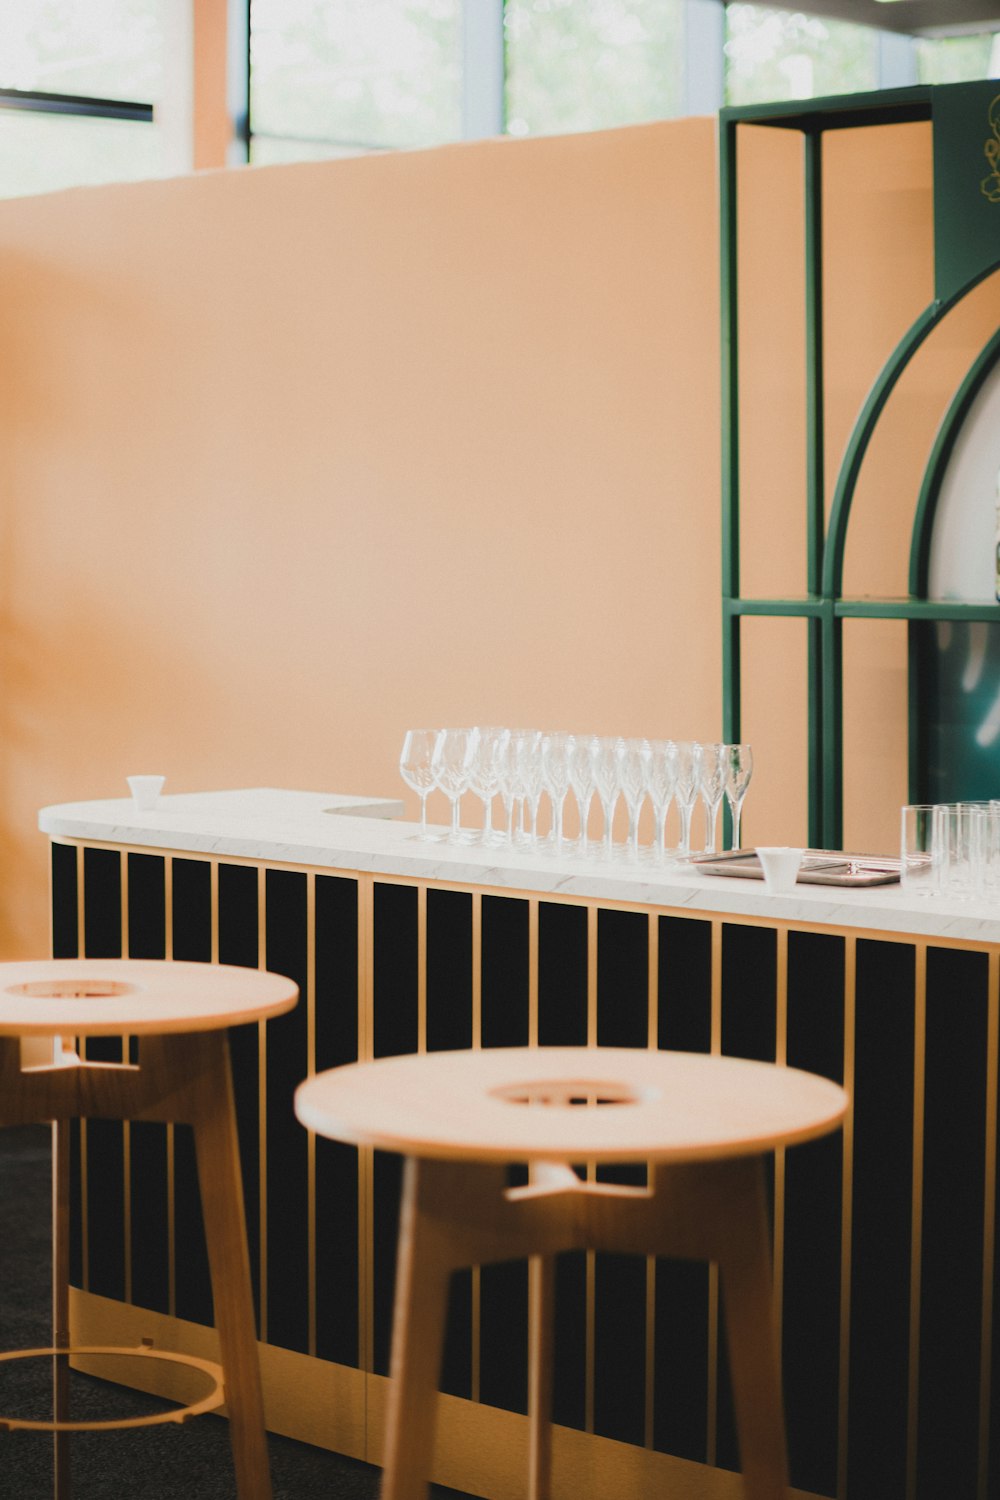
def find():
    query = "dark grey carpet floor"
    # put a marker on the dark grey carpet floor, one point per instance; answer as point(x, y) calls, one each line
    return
point(156, 1463)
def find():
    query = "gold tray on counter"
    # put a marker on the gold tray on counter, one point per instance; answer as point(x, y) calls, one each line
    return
point(819, 867)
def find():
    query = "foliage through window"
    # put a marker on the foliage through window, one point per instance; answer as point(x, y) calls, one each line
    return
point(774, 54)
point(591, 64)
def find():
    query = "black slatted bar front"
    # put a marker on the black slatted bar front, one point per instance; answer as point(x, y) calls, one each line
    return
point(338, 1299)
point(882, 1206)
point(813, 1222)
point(149, 1241)
point(287, 1216)
point(951, 1265)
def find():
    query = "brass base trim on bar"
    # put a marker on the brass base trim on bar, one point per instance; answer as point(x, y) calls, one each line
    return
point(480, 1449)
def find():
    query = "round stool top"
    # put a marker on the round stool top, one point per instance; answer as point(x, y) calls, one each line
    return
point(530, 1104)
point(110, 996)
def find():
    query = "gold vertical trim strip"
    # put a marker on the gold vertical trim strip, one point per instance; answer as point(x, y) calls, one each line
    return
point(590, 1283)
point(712, 1394)
point(366, 1212)
point(916, 1213)
point(989, 1222)
point(310, 1003)
point(168, 937)
point(532, 971)
point(213, 899)
point(81, 948)
point(476, 917)
point(262, 1100)
point(846, 1213)
point(781, 1058)
point(477, 969)
point(652, 1041)
point(421, 967)
point(591, 976)
point(123, 863)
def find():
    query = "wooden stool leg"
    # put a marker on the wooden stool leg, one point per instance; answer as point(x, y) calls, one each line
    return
point(60, 1305)
point(745, 1269)
point(421, 1305)
point(541, 1287)
point(221, 1187)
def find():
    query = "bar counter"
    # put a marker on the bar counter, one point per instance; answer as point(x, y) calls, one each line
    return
point(884, 1238)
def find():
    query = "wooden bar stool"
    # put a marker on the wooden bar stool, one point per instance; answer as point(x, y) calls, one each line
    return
point(179, 1012)
point(459, 1118)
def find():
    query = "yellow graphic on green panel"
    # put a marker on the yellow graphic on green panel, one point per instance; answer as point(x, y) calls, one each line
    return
point(991, 184)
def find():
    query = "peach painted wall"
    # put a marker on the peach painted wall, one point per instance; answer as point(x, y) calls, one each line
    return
point(295, 457)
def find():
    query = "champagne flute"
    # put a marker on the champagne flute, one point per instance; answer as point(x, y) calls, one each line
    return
point(739, 769)
point(712, 785)
point(417, 770)
point(607, 754)
point(686, 788)
point(452, 761)
point(581, 779)
point(635, 781)
point(662, 779)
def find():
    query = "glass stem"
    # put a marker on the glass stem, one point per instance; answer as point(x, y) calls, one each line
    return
point(584, 815)
point(736, 808)
point(423, 815)
point(557, 821)
point(487, 819)
point(455, 804)
point(686, 809)
point(711, 817)
point(609, 826)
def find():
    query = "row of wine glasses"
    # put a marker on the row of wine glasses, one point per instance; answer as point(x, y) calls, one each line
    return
point(523, 765)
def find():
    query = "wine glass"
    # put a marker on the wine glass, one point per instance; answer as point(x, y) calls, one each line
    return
point(607, 754)
point(484, 777)
point(739, 769)
point(528, 760)
point(581, 779)
point(686, 787)
point(712, 785)
point(416, 768)
point(555, 779)
point(662, 779)
point(635, 782)
point(452, 761)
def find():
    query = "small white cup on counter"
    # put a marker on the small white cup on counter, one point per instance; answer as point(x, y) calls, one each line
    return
point(145, 791)
point(780, 866)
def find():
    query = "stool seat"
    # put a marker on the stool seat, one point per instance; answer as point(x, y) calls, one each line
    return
point(519, 1104)
point(114, 996)
point(179, 1073)
point(702, 1123)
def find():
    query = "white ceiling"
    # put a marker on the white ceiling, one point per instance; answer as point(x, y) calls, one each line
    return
point(916, 17)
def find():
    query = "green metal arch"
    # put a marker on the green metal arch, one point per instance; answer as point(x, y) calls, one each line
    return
point(864, 428)
point(944, 445)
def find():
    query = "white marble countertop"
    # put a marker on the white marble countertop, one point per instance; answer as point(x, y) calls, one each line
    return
point(335, 832)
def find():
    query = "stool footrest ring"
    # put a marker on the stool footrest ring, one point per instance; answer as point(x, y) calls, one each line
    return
point(210, 1402)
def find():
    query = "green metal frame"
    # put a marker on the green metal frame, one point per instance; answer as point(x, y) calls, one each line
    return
point(967, 249)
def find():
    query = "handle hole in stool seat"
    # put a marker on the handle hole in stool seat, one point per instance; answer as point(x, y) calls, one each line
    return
point(562, 1094)
point(71, 989)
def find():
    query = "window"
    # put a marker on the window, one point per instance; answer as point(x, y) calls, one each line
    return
point(333, 79)
point(587, 64)
point(959, 59)
point(77, 86)
point(774, 54)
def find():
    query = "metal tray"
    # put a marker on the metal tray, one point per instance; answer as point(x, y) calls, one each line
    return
point(819, 867)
